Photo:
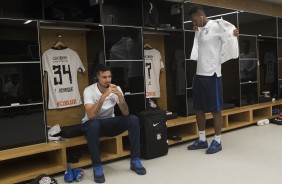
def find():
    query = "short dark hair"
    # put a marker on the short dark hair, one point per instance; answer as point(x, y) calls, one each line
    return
point(101, 68)
point(194, 8)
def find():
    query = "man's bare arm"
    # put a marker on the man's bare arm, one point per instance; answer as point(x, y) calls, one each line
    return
point(93, 109)
point(123, 105)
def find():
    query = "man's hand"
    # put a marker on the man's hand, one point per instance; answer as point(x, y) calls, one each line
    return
point(236, 32)
point(112, 89)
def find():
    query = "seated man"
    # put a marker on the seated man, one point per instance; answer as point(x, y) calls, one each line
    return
point(100, 99)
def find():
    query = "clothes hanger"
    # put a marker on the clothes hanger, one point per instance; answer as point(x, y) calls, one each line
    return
point(59, 44)
point(147, 46)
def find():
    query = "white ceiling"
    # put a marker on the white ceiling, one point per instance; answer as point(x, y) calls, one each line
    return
point(274, 1)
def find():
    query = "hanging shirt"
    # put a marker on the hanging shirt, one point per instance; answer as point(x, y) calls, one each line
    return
point(92, 94)
point(214, 44)
point(248, 65)
point(126, 49)
point(62, 67)
point(153, 66)
point(269, 59)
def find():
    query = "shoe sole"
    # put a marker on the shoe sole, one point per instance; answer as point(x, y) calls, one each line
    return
point(140, 173)
point(212, 152)
point(189, 148)
point(99, 180)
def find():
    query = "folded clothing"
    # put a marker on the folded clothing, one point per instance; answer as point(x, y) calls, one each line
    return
point(263, 122)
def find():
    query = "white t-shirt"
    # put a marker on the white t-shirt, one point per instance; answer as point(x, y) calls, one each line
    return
point(153, 66)
point(213, 45)
point(62, 67)
point(92, 94)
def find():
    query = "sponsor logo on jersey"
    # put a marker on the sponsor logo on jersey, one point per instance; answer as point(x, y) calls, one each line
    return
point(151, 93)
point(60, 59)
point(148, 56)
point(66, 103)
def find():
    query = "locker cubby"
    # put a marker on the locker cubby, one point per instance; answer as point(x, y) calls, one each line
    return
point(125, 145)
point(82, 152)
point(108, 149)
point(186, 131)
point(225, 123)
point(14, 170)
point(209, 126)
point(277, 107)
point(263, 113)
point(239, 119)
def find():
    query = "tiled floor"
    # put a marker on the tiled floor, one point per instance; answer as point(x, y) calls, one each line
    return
point(250, 155)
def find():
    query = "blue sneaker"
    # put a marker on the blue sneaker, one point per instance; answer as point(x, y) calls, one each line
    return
point(98, 174)
point(214, 147)
point(198, 144)
point(78, 174)
point(136, 166)
point(68, 176)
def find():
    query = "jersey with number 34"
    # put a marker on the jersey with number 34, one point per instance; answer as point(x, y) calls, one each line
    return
point(62, 67)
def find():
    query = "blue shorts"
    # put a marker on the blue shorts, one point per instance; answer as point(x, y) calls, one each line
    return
point(207, 93)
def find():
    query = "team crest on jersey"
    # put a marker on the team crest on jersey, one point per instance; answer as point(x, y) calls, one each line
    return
point(112, 100)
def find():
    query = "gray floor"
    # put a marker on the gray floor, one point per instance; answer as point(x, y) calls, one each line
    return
point(250, 155)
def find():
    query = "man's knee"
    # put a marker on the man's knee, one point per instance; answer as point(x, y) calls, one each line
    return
point(133, 121)
point(93, 126)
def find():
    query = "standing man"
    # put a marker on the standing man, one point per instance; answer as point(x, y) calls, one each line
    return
point(100, 99)
point(215, 42)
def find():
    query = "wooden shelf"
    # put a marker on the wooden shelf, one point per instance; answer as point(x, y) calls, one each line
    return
point(181, 121)
point(28, 150)
point(50, 158)
point(184, 139)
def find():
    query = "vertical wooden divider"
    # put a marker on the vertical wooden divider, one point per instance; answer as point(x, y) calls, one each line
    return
point(75, 40)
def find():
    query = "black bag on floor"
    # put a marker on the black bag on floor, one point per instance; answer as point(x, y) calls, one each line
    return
point(153, 134)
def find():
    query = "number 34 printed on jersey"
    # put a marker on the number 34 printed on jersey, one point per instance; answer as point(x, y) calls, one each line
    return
point(59, 71)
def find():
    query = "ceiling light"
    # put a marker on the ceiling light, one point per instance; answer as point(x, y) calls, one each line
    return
point(28, 21)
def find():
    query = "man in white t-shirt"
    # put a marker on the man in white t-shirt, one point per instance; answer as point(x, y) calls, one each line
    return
point(215, 42)
point(100, 99)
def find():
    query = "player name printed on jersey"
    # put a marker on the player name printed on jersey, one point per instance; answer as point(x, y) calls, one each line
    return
point(153, 66)
point(62, 67)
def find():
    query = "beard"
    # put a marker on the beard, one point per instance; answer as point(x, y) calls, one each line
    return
point(107, 85)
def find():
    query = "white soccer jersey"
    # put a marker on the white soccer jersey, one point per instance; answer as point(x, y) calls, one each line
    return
point(92, 94)
point(62, 67)
point(153, 66)
point(214, 44)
